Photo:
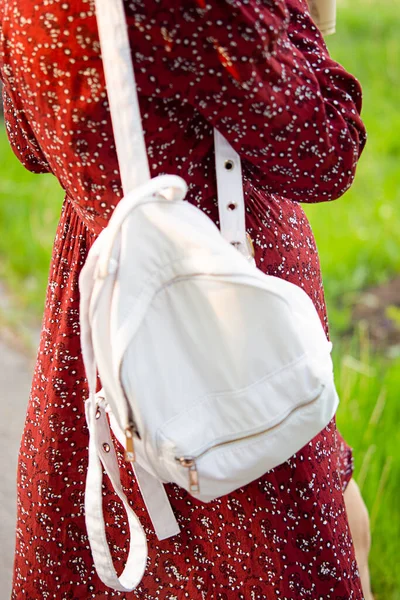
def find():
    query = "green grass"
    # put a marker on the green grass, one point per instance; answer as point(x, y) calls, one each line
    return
point(358, 242)
point(29, 210)
point(368, 418)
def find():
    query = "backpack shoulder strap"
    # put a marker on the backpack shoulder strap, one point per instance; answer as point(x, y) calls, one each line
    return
point(128, 131)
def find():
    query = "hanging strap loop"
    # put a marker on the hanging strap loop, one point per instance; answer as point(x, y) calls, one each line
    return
point(102, 453)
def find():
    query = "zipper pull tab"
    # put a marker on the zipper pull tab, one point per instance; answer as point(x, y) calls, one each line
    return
point(129, 447)
point(190, 463)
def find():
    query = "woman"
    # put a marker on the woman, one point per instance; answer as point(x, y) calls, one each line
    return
point(260, 73)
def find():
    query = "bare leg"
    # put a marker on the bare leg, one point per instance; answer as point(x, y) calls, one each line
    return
point(357, 514)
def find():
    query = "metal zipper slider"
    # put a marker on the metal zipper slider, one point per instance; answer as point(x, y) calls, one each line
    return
point(190, 463)
point(129, 447)
point(250, 245)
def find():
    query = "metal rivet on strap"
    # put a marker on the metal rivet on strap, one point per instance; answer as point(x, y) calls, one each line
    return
point(106, 447)
point(229, 164)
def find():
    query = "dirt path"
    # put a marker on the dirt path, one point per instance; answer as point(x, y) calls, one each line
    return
point(15, 379)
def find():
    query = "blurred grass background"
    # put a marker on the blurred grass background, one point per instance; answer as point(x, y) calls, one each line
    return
point(29, 210)
point(358, 240)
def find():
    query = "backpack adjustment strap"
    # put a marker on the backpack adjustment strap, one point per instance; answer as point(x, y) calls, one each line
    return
point(231, 203)
point(102, 455)
point(153, 492)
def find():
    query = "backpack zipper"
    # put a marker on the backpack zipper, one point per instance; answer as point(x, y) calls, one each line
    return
point(189, 462)
point(130, 455)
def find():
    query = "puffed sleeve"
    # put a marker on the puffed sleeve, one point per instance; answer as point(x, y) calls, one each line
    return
point(19, 132)
point(261, 74)
point(340, 91)
point(21, 137)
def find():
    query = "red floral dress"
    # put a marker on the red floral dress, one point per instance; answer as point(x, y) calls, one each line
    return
point(259, 71)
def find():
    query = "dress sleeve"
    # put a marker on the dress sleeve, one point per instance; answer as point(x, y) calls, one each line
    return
point(341, 91)
point(21, 137)
point(260, 73)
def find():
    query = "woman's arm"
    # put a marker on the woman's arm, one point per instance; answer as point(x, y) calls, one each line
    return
point(261, 74)
point(341, 91)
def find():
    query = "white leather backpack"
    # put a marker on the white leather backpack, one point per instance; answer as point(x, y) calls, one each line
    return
point(213, 373)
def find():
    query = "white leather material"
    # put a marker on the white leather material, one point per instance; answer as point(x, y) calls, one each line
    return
point(219, 371)
point(122, 94)
point(101, 452)
point(230, 193)
point(153, 492)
